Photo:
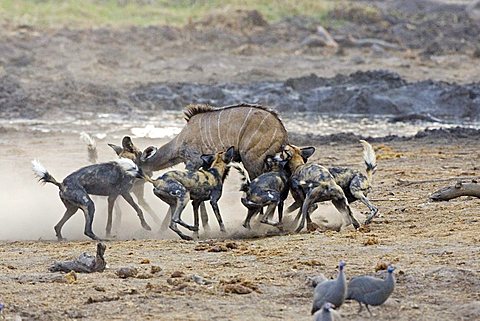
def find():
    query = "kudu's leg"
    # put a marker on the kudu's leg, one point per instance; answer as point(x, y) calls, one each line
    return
point(138, 190)
point(137, 209)
point(204, 215)
point(111, 202)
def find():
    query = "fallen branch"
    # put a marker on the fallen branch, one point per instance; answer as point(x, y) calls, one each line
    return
point(459, 189)
point(350, 41)
point(435, 180)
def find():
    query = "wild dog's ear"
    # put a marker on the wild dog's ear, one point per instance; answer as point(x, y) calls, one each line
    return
point(118, 149)
point(127, 144)
point(306, 152)
point(147, 153)
point(229, 154)
point(207, 160)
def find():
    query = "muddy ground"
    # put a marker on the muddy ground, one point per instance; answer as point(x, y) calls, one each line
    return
point(60, 74)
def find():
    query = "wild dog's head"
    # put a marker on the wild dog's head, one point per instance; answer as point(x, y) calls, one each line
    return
point(219, 161)
point(127, 150)
point(274, 163)
point(294, 155)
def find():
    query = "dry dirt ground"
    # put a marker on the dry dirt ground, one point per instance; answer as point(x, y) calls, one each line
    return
point(434, 247)
point(57, 74)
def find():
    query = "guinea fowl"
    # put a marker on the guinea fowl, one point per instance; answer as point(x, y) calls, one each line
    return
point(327, 313)
point(370, 290)
point(333, 291)
point(84, 264)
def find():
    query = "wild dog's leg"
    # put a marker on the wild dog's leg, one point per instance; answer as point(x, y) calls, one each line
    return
point(71, 209)
point(265, 218)
point(111, 202)
point(204, 215)
point(137, 209)
point(173, 225)
point(342, 206)
point(89, 211)
point(138, 190)
point(305, 211)
point(250, 214)
point(183, 197)
point(359, 188)
point(214, 203)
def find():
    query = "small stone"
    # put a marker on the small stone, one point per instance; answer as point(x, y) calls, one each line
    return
point(177, 274)
point(71, 277)
point(145, 261)
point(99, 288)
point(155, 269)
point(237, 289)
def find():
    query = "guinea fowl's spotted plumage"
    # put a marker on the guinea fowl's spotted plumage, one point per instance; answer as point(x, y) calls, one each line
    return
point(371, 291)
point(327, 313)
point(333, 291)
point(84, 264)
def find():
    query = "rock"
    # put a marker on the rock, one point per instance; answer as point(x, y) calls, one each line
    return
point(126, 272)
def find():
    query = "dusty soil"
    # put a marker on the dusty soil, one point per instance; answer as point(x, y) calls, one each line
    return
point(434, 246)
point(76, 74)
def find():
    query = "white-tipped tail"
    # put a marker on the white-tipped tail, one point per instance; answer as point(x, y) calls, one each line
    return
point(38, 169)
point(128, 166)
point(369, 154)
point(87, 139)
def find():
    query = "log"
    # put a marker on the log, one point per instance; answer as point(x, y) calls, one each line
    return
point(403, 182)
point(459, 189)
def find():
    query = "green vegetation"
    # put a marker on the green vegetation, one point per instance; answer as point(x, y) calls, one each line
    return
point(95, 13)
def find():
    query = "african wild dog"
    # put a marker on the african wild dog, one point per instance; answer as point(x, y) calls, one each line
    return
point(176, 188)
point(354, 183)
point(311, 183)
point(106, 179)
point(269, 189)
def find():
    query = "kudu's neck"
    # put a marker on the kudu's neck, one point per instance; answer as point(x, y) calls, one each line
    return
point(165, 156)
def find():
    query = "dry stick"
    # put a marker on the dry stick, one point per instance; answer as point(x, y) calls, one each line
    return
point(459, 189)
point(407, 183)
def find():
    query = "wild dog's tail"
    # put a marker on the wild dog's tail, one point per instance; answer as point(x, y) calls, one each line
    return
point(92, 147)
point(244, 177)
point(42, 174)
point(369, 158)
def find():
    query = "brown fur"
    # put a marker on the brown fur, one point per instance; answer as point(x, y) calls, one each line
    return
point(253, 130)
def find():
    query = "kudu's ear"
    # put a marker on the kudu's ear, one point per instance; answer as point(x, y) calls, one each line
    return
point(207, 160)
point(229, 154)
point(306, 152)
point(147, 153)
point(118, 149)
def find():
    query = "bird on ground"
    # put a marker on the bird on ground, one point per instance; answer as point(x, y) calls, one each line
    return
point(327, 313)
point(370, 290)
point(333, 291)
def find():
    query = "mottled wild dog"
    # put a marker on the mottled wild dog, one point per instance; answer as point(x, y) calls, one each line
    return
point(138, 189)
point(177, 188)
point(106, 179)
point(269, 189)
point(311, 183)
point(354, 183)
